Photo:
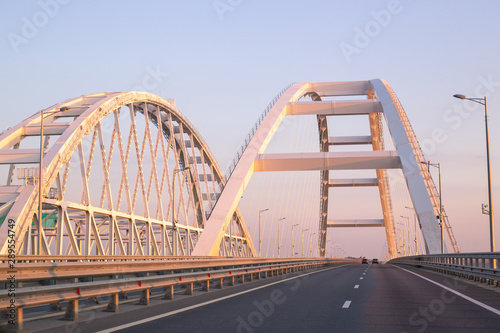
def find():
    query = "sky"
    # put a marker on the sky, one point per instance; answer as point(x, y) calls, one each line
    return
point(224, 60)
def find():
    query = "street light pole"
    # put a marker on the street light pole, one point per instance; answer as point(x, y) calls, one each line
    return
point(310, 244)
point(40, 188)
point(483, 101)
point(302, 247)
point(279, 241)
point(174, 231)
point(415, 221)
point(260, 242)
point(407, 234)
point(293, 245)
point(441, 222)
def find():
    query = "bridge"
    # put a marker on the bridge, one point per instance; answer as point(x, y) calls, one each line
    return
point(115, 195)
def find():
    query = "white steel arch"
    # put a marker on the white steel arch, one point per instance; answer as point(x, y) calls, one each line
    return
point(159, 171)
point(380, 102)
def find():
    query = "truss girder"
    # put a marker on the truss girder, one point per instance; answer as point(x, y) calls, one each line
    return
point(143, 214)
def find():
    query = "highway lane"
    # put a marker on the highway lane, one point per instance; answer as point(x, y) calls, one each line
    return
point(351, 298)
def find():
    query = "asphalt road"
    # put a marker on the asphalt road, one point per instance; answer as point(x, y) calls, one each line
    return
point(351, 298)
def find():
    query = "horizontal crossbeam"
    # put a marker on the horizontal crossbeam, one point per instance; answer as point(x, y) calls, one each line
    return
point(327, 161)
point(48, 129)
point(333, 108)
point(19, 156)
point(349, 140)
point(353, 182)
point(349, 88)
point(356, 223)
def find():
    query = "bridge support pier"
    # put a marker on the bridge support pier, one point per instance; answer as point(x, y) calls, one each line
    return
point(169, 292)
point(231, 280)
point(189, 289)
point(112, 304)
point(144, 300)
point(72, 311)
point(206, 287)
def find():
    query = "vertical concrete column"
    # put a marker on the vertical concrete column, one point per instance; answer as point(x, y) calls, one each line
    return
point(113, 303)
point(169, 292)
point(189, 289)
point(72, 311)
point(144, 300)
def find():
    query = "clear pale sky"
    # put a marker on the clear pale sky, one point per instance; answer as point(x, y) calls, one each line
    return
point(225, 60)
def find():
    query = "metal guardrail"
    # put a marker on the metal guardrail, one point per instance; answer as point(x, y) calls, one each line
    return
point(36, 268)
point(42, 281)
point(480, 266)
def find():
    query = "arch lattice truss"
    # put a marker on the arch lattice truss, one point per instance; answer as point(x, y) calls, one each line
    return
point(380, 102)
point(124, 174)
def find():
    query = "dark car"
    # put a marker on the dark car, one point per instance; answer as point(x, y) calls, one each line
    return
point(364, 261)
point(375, 261)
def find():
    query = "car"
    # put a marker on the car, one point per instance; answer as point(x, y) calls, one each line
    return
point(364, 261)
point(375, 261)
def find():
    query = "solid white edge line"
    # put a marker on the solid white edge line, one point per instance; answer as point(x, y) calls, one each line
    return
point(168, 314)
point(470, 299)
point(346, 305)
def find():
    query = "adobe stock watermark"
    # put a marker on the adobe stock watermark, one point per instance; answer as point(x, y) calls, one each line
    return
point(32, 26)
point(151, 82)
point(363, 36)
point(223, 6)
point(266, 308)
point(153, 79)
point(436, 307)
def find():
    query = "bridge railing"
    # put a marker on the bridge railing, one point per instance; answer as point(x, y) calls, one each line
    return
point(478, 266)
point(36, 280)
point(250, 135)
